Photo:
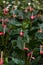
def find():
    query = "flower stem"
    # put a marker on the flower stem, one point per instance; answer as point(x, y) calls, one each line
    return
point(2, 40)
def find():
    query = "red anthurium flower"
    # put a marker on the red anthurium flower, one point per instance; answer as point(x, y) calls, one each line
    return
point(40, 31)
point(1, 33)
point(21, 33)
point(4, 25)
point(14, 15)
point(29, 54)
point(1, 62)
point(32, 17)
point(31, 9)
point(5, 11)
point(41, 52)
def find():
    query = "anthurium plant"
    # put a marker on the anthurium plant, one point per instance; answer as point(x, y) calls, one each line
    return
point(21, 32)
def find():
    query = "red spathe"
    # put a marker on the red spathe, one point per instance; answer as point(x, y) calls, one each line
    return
point(41, 52)
point(1, 33)
point(1, 62)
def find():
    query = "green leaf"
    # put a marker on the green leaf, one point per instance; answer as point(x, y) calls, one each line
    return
point(20, 43)
point(14, 22)
point(18, 61)
point(1, 29)
point(39, 36)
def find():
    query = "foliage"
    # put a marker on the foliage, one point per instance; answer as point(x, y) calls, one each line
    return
point(21, 22)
